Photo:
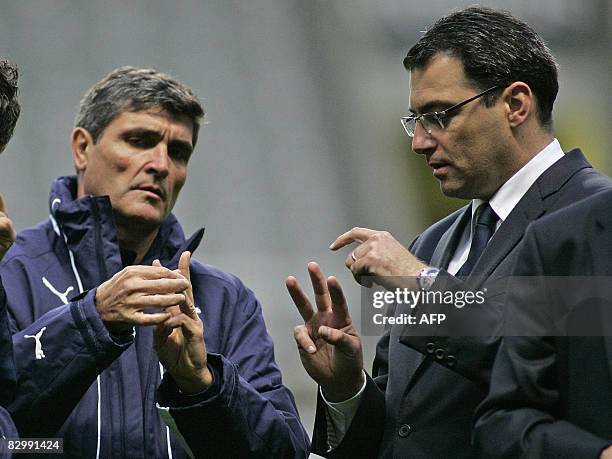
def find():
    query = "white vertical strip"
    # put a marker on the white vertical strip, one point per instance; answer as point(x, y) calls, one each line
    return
point(161, 374)
point(99, 419)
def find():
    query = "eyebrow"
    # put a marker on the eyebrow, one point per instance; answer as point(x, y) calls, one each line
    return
point(141, 132)
point(151, 133)
point(182, 145)
point(432, 105)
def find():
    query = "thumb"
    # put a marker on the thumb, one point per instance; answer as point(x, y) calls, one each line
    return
point(188, 307)
point(183, 264)
point(156, 263)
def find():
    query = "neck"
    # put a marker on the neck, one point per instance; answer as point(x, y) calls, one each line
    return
point(138, 242)
point(530, 141)
point(524, 144)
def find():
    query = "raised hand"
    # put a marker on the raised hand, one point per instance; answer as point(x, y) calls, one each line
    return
point(329, 345)
point(122, 301)
point(179, 341)
point(378, 256)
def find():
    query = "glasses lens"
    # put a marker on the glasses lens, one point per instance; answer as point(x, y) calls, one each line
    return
point(432, 121)
point(409, 125)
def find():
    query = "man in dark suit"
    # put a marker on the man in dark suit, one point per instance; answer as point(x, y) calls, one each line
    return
point(551, 396)
point(482, 89)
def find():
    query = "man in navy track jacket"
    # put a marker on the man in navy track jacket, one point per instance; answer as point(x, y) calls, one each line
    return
point(125, 347)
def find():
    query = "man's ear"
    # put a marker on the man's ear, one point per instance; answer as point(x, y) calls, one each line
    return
point(81, 144)
point(519, 103)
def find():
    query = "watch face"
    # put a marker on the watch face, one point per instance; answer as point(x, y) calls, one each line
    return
point(427, 277)
point(426, 282)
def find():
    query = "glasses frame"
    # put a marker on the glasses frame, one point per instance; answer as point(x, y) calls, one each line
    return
point(433, 118)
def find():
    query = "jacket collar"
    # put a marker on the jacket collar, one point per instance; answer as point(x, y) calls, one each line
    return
point(87, 226)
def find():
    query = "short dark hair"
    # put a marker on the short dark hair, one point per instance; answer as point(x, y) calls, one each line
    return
point(132, 89)
point(9, 105)
point(495, 48)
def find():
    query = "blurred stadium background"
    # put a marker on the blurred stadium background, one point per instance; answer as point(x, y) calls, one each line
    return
point(303, 138)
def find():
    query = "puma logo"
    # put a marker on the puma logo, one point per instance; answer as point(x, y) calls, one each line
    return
point(60, 295)
point(38, 351)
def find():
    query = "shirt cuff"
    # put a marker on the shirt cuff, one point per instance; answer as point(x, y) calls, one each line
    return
point(339, 415)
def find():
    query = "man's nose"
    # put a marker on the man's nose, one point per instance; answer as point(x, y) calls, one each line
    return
point(159, 163)
point(422, 142)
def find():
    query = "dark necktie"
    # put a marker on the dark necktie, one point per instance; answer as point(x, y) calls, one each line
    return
point(483, 230)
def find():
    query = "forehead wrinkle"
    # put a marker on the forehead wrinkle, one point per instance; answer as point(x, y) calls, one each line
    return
point(156, 123)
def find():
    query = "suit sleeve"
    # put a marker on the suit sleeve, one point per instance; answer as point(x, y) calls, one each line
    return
point(519, 416)
point(467, 340)
point(364, 436)
point(249, 412)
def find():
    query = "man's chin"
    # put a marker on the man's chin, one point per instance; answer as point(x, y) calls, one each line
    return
point(453, 190)
point(459, 192)
point(141, 220)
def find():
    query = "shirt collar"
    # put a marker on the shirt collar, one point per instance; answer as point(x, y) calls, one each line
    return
point(511, 192)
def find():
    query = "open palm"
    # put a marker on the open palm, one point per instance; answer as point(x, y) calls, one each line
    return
point(329, 345)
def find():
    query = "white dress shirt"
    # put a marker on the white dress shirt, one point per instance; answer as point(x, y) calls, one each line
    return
point(341, 414)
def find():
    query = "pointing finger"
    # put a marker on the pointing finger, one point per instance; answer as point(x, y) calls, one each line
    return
point(354, 235)
point(299, 298)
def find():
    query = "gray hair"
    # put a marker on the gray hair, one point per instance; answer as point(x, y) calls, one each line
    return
point(9, 105)
point(132, 89)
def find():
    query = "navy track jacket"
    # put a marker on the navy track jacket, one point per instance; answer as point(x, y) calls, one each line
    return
point(106, 395)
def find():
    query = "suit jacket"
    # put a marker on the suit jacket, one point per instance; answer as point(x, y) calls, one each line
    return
point(421, 399)
point(551, 396)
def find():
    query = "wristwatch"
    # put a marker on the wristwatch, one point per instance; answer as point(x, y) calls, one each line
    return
point(426, 277)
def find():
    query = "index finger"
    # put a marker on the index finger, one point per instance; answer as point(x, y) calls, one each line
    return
point(299, 298)
point(354, 235)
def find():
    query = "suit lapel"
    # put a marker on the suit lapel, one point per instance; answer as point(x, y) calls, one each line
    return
point(509, 234)
point(450, 239)
point(537, 201)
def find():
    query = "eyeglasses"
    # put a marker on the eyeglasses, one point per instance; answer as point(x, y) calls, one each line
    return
point(435, 120)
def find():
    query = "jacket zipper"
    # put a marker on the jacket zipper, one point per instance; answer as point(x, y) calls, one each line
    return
point(103, 273)
point(121, 411)
point(99, 243)
point(151, 384)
